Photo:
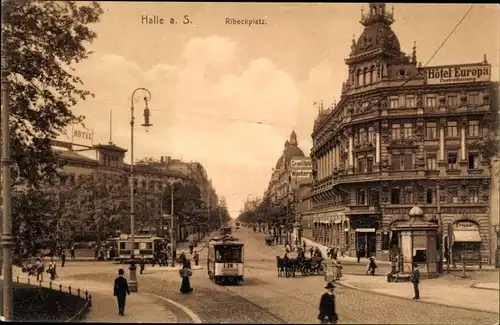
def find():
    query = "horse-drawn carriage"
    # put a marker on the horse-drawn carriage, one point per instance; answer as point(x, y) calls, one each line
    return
point(306, 266)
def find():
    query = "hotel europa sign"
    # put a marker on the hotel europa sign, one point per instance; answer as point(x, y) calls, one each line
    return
point(458, 74)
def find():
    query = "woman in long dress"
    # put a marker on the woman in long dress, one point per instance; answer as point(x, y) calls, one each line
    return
point(185, 273)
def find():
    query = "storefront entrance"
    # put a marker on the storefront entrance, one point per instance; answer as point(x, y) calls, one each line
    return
point(366, 242)
point(466, 243)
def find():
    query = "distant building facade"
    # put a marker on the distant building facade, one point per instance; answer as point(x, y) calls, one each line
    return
point(402, 135)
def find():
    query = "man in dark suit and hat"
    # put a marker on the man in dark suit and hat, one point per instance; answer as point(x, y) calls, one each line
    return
point(415, 279)
point(327, 312)
point(121, 291)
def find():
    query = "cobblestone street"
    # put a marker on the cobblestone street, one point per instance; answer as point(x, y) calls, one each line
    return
point(265, 298)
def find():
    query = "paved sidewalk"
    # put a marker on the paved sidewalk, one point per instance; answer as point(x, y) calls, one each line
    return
point(487, 286)
point(352, 260)
point(434, 291)
point(139, 307)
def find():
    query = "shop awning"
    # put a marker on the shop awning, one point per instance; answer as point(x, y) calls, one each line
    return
point(466, 236)
point(365, 230)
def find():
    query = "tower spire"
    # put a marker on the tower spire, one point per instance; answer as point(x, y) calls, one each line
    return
point(414, 53)
point(110, 127)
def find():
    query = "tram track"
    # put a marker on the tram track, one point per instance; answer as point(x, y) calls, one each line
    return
point(291, 298)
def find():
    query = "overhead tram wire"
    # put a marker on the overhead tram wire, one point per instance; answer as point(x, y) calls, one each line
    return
point(203, 115)
point(428, 61)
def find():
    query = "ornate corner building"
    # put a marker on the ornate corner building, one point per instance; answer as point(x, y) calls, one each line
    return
point(403, 135)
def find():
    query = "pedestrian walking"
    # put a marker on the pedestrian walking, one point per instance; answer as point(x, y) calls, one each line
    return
point(120, 291)
point(311, 251)
point(142, 264)
point(63, 258)
point(182, 258)
point(304, 245)
point(191, 248)
point(51, 270)
point(327, 312)
point(358, 255)
point(72, 251)
point(185, 272)
point(371, 266)
point(196, 258)
point(40, 268)
point(338, 269)
point(415, 279)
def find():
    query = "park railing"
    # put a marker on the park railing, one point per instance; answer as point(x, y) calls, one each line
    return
point(82, 294)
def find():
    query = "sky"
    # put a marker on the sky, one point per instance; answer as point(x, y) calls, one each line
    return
point(229, 96)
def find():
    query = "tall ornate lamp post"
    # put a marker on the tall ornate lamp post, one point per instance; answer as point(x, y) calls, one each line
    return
point(146, 125)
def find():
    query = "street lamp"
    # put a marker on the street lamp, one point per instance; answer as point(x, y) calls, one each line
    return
point(146, 125)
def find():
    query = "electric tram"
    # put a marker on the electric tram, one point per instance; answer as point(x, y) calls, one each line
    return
point(225, 262)
point(145, 245)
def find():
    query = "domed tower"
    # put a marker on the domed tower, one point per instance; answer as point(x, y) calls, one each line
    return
point(377, 50)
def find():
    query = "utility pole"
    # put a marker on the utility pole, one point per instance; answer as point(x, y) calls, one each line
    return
point(160, 199)
point(7, 237)
point(172, 241)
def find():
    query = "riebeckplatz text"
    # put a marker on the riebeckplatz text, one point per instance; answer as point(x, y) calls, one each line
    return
point(246, 21)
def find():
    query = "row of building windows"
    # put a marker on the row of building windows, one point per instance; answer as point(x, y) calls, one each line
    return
point(150, 185)
point(405, 131)
point(112, 161)
point(430, 101)
point(402, 162)
point(368, 197)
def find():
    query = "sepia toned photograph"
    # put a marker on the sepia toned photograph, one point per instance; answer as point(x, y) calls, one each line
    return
point(250, 163)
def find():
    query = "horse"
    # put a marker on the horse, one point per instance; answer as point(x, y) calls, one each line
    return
point(280, 265)
point(288, 266)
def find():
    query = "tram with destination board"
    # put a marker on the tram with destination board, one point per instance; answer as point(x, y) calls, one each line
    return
point(225, 262)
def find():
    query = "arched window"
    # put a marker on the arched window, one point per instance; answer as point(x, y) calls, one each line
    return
point(374, 11)
point(360, 78)
point(372, 74)
point(381, 10)
point(365, 76)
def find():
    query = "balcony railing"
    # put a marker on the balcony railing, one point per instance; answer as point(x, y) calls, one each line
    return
point(362, 208)
point(402, 111)
point(402, 173)
point(474, 172)
point(432, 173)
point(453, 172)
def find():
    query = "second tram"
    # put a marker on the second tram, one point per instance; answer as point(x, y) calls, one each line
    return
point(145, 245)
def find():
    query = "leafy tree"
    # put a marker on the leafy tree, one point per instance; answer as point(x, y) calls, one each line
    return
point(188, 204)
point(42, 40)
point(33, 224)
point(99, 202)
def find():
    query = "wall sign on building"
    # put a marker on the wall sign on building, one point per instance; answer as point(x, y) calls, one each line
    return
point(465, 225)
point(458, 74)
point(301, 163)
